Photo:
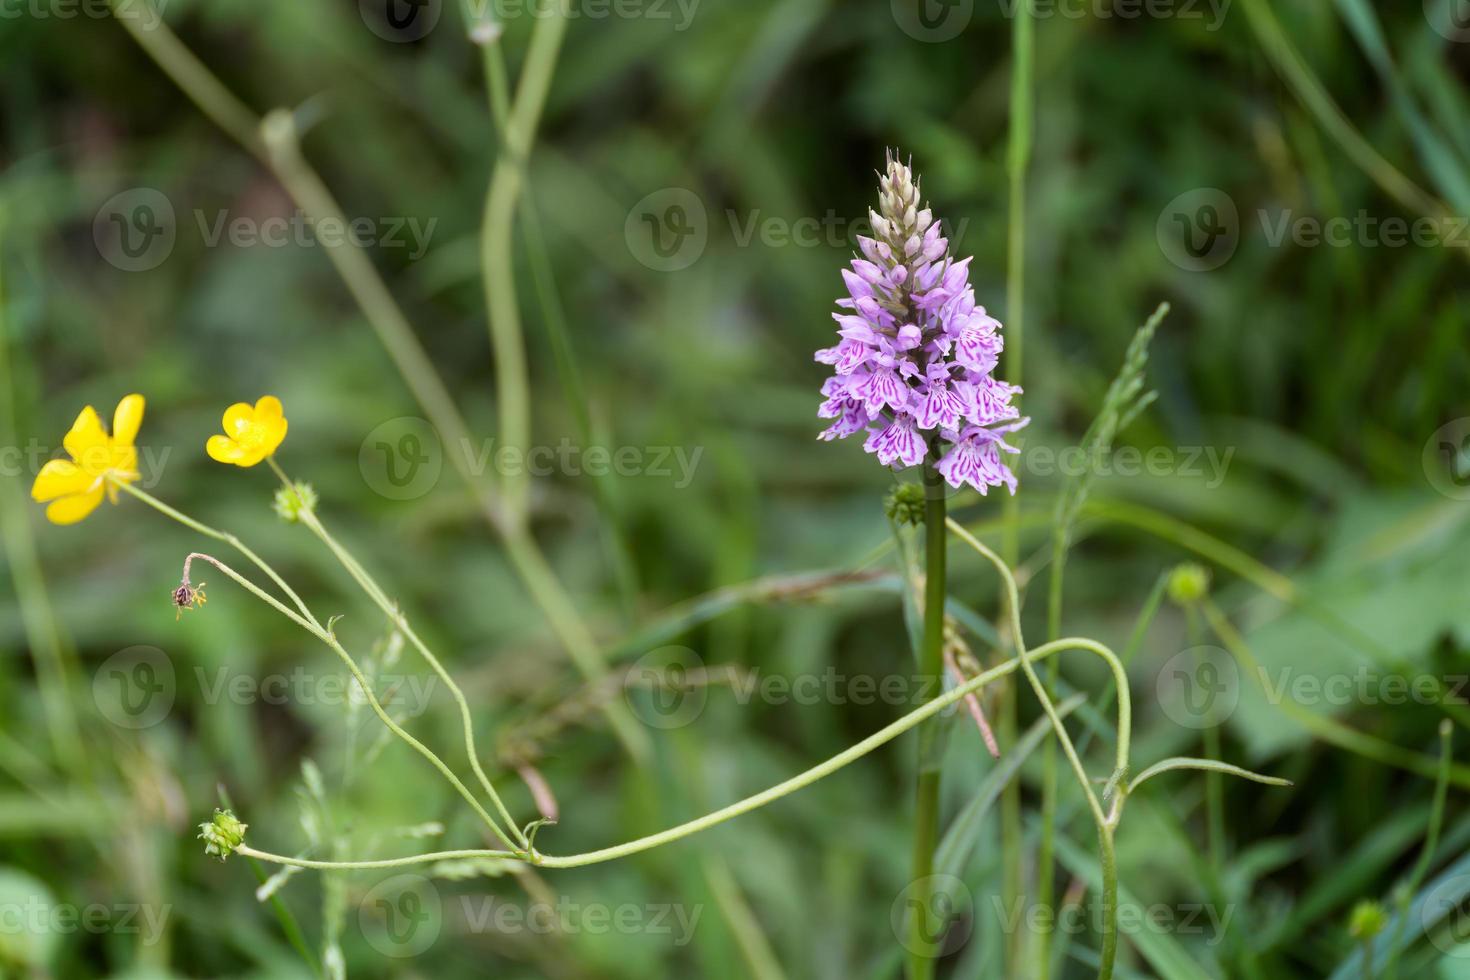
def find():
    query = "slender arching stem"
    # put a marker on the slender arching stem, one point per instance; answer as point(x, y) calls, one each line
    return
point(395, 615)
point(224, 536)
point(800, 781)
point(1105, 822)
point(309, 623)
point(274, 141)
point(1026, 658)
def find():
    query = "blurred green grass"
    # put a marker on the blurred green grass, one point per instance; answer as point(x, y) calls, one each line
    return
point(1326, 370)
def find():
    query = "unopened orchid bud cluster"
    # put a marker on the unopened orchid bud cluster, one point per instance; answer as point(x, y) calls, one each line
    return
point(913, 365)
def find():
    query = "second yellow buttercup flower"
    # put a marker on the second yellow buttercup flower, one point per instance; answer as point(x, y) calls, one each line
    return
point(251, 432)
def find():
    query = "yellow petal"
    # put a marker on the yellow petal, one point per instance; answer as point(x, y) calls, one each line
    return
point(124, 464)
point(223, 449)
point(275, 434)
point(86, 437)
point(238, 418)
point(268, 409)
point(58, 478)
point(250, 455)
point(69, 510)
point(126, 419)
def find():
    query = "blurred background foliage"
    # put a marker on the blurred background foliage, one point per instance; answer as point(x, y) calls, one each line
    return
point(1322, 372)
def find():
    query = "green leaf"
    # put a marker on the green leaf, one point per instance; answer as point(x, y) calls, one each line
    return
point(954, 848)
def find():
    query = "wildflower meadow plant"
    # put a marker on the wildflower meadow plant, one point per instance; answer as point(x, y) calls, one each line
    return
point(914, 366)
point(914, 371)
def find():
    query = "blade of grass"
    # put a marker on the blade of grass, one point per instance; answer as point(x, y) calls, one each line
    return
point(1018, 158)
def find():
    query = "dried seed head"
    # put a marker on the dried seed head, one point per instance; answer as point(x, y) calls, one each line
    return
point(187, 596)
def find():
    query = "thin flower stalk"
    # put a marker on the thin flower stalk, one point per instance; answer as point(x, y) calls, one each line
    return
point(308, 517)
point(309, 623)
point(826, 768)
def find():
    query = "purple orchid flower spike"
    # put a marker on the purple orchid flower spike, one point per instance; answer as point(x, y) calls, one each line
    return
point(915, 355)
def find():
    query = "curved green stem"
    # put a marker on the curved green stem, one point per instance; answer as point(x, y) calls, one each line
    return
point(758, 800)
point(309, 623)
point(1026, 658)
point(274, 141)
point(228, 539)
point(396, 617)
point(496, 232)
point(1105, 822)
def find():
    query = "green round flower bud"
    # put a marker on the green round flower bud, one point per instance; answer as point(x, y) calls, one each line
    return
point(905, 504)
point(1189, 584)
point(222, 834)
point(1367, 920)
point(292, 500)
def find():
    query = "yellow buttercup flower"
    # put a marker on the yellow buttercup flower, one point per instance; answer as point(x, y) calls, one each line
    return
point(99, 463)
point(251, 434)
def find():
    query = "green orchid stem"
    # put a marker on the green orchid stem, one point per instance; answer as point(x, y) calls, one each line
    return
point(309, 623)
point(921, 929)
point(396, 617)
point(755, 802)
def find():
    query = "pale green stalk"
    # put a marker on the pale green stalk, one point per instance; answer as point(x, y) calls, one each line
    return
point(619, 555)
point(397, 618)
point(1022, 107)
point(309, 623)
point(274, 141)
point(1106, 822)
point(43, 634)
point(305, 617)
point(395, 615)
point(758, 800)
point(496, 236)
